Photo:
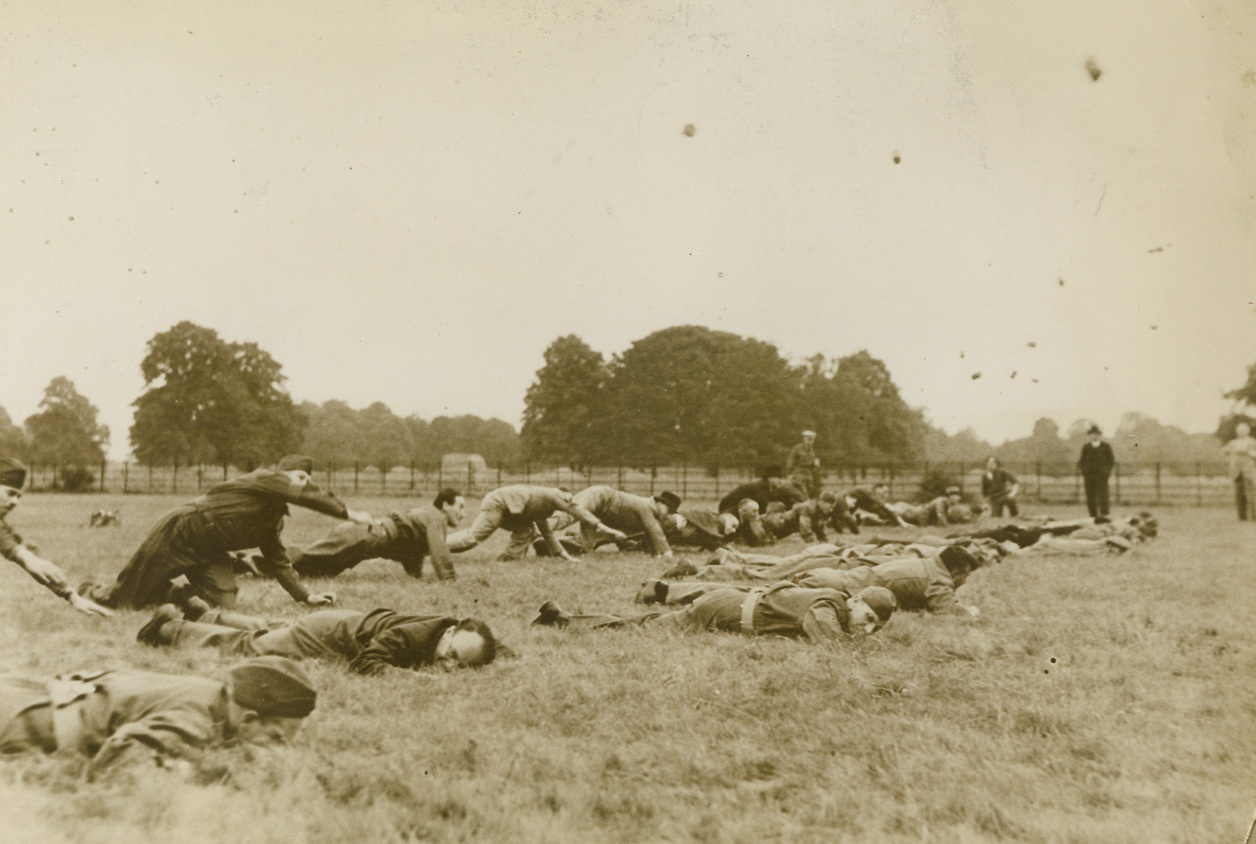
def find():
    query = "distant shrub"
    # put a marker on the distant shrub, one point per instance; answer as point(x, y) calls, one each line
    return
point(76, 479)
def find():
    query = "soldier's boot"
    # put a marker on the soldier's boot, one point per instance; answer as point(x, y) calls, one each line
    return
point(160, 628)
point(551, 615)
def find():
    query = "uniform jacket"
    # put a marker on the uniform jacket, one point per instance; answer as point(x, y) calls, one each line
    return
point(523, 505)
point(123, 714)
point(369, 641)
point(805, 519)
point(764, 491)
point(421, 532)
point(626, 512)
point(784, 609)
point(917, 583)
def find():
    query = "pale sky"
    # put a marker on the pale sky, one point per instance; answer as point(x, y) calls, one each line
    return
point(407, 202)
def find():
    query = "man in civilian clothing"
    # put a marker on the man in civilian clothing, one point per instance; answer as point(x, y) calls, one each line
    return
point(763, 491)
point(1095, 464)
point(521, 509)
point(407, 538)
point(1000, 488)
point(196, 540)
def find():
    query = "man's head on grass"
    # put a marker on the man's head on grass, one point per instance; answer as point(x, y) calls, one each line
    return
point(467, 644)
point(870, 609)
point(269, 697)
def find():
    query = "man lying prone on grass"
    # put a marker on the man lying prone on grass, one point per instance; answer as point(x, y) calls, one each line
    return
point(782, 609)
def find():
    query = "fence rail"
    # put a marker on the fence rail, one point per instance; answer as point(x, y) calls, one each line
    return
point(1174, 484)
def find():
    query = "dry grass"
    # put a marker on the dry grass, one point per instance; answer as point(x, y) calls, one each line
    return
point(1100, 699)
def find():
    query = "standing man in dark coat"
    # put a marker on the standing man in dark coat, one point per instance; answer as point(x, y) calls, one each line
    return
point(406, 537)
point(1095, 464)
point(368, 641)
point(1000, 488)
point(196, 540)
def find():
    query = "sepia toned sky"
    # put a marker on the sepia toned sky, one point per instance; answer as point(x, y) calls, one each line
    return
point(408, 202)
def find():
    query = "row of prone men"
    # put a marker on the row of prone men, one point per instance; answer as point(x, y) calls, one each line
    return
point(187, 565)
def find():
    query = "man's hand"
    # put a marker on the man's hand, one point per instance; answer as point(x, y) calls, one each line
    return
point(361, 517)
point(567, 556)
point(616, 535)
point(88, 606)
point(321, 599)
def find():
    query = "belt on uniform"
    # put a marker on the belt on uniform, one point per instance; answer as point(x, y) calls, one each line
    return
point(67, 695)
point(748, 606)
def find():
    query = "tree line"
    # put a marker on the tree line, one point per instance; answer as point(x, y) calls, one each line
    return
point(686, 394)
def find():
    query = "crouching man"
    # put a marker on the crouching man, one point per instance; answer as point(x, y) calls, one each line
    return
point(782, 609)
point(368, 641)
point(134, 717)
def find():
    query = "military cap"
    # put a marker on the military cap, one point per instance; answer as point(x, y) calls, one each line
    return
point(12, 473)
point(273, 685)
point(297, 462)
point(956, 558)
point(671, 499)
point(880, 600)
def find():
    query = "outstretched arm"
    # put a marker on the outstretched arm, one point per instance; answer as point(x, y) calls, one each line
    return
point(50, 575)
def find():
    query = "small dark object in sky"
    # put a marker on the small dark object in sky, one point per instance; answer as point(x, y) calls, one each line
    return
point(1035, 380)
point(1154, 327)
point(961, 355)
point(976, 375)
point(1061, 281)
point(1013, 375)
point(1032, 344)
point(1094, 70)
point(1157, 249)
point(689, 130)
point(897, 158)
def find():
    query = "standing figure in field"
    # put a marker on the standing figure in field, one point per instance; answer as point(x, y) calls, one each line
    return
point(125, 718)
point(1000, 489)
point(197, 539)
point(407, 538)
point(1241, 453)
point(13, 549)
point(1096, 464)
point(523, 509)
point(802, 467)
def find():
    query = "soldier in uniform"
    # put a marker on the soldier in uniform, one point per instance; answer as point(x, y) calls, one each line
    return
point(133, 717)
point(781, 609)
point(12, 479)
point(802, 467)
point(523, 509)
point(196, 540)
point(918, 583)
point(806, 519)
point(406, 537)
point(629, 514)
point(368, 641)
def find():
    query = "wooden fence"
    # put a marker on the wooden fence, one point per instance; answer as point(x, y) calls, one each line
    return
point(1192, 485)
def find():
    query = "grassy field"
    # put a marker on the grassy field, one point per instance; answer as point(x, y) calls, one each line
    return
point(1097, 700)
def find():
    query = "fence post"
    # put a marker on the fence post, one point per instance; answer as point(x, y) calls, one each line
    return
point(1038, 473)
point(717, 482)
point(103, 466)
point(1117, 472)
point(200, 476)
point(654, 473)
point(412, 476)
point(440, 475)
point(1157, 483)
point(684, 479)
point(356, 468)
point(174, 478)
point(499, 473)
point(1199, 486)
point(471, 476)
point(383, 481)
point(527, 471)
point(126, 474)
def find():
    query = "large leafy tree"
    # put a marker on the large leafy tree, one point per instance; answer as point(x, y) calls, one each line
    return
point(858, 413)
point(690, 393)
point(12, 439)
point(333, 436)
point(562, 412)
point(386, 437)
point(1244, 399)
point(210, 400)
point(65, 431)
point(493, 439)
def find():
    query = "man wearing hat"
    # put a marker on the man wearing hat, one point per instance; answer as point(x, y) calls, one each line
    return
point(523, 510)
point(12, 479)
point(368, 641)
point(802, 467)
point(636, 516)
point(196, 540)
point(1096, 464)
point(782, 609)
point(407, 537)
point(131, 717)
